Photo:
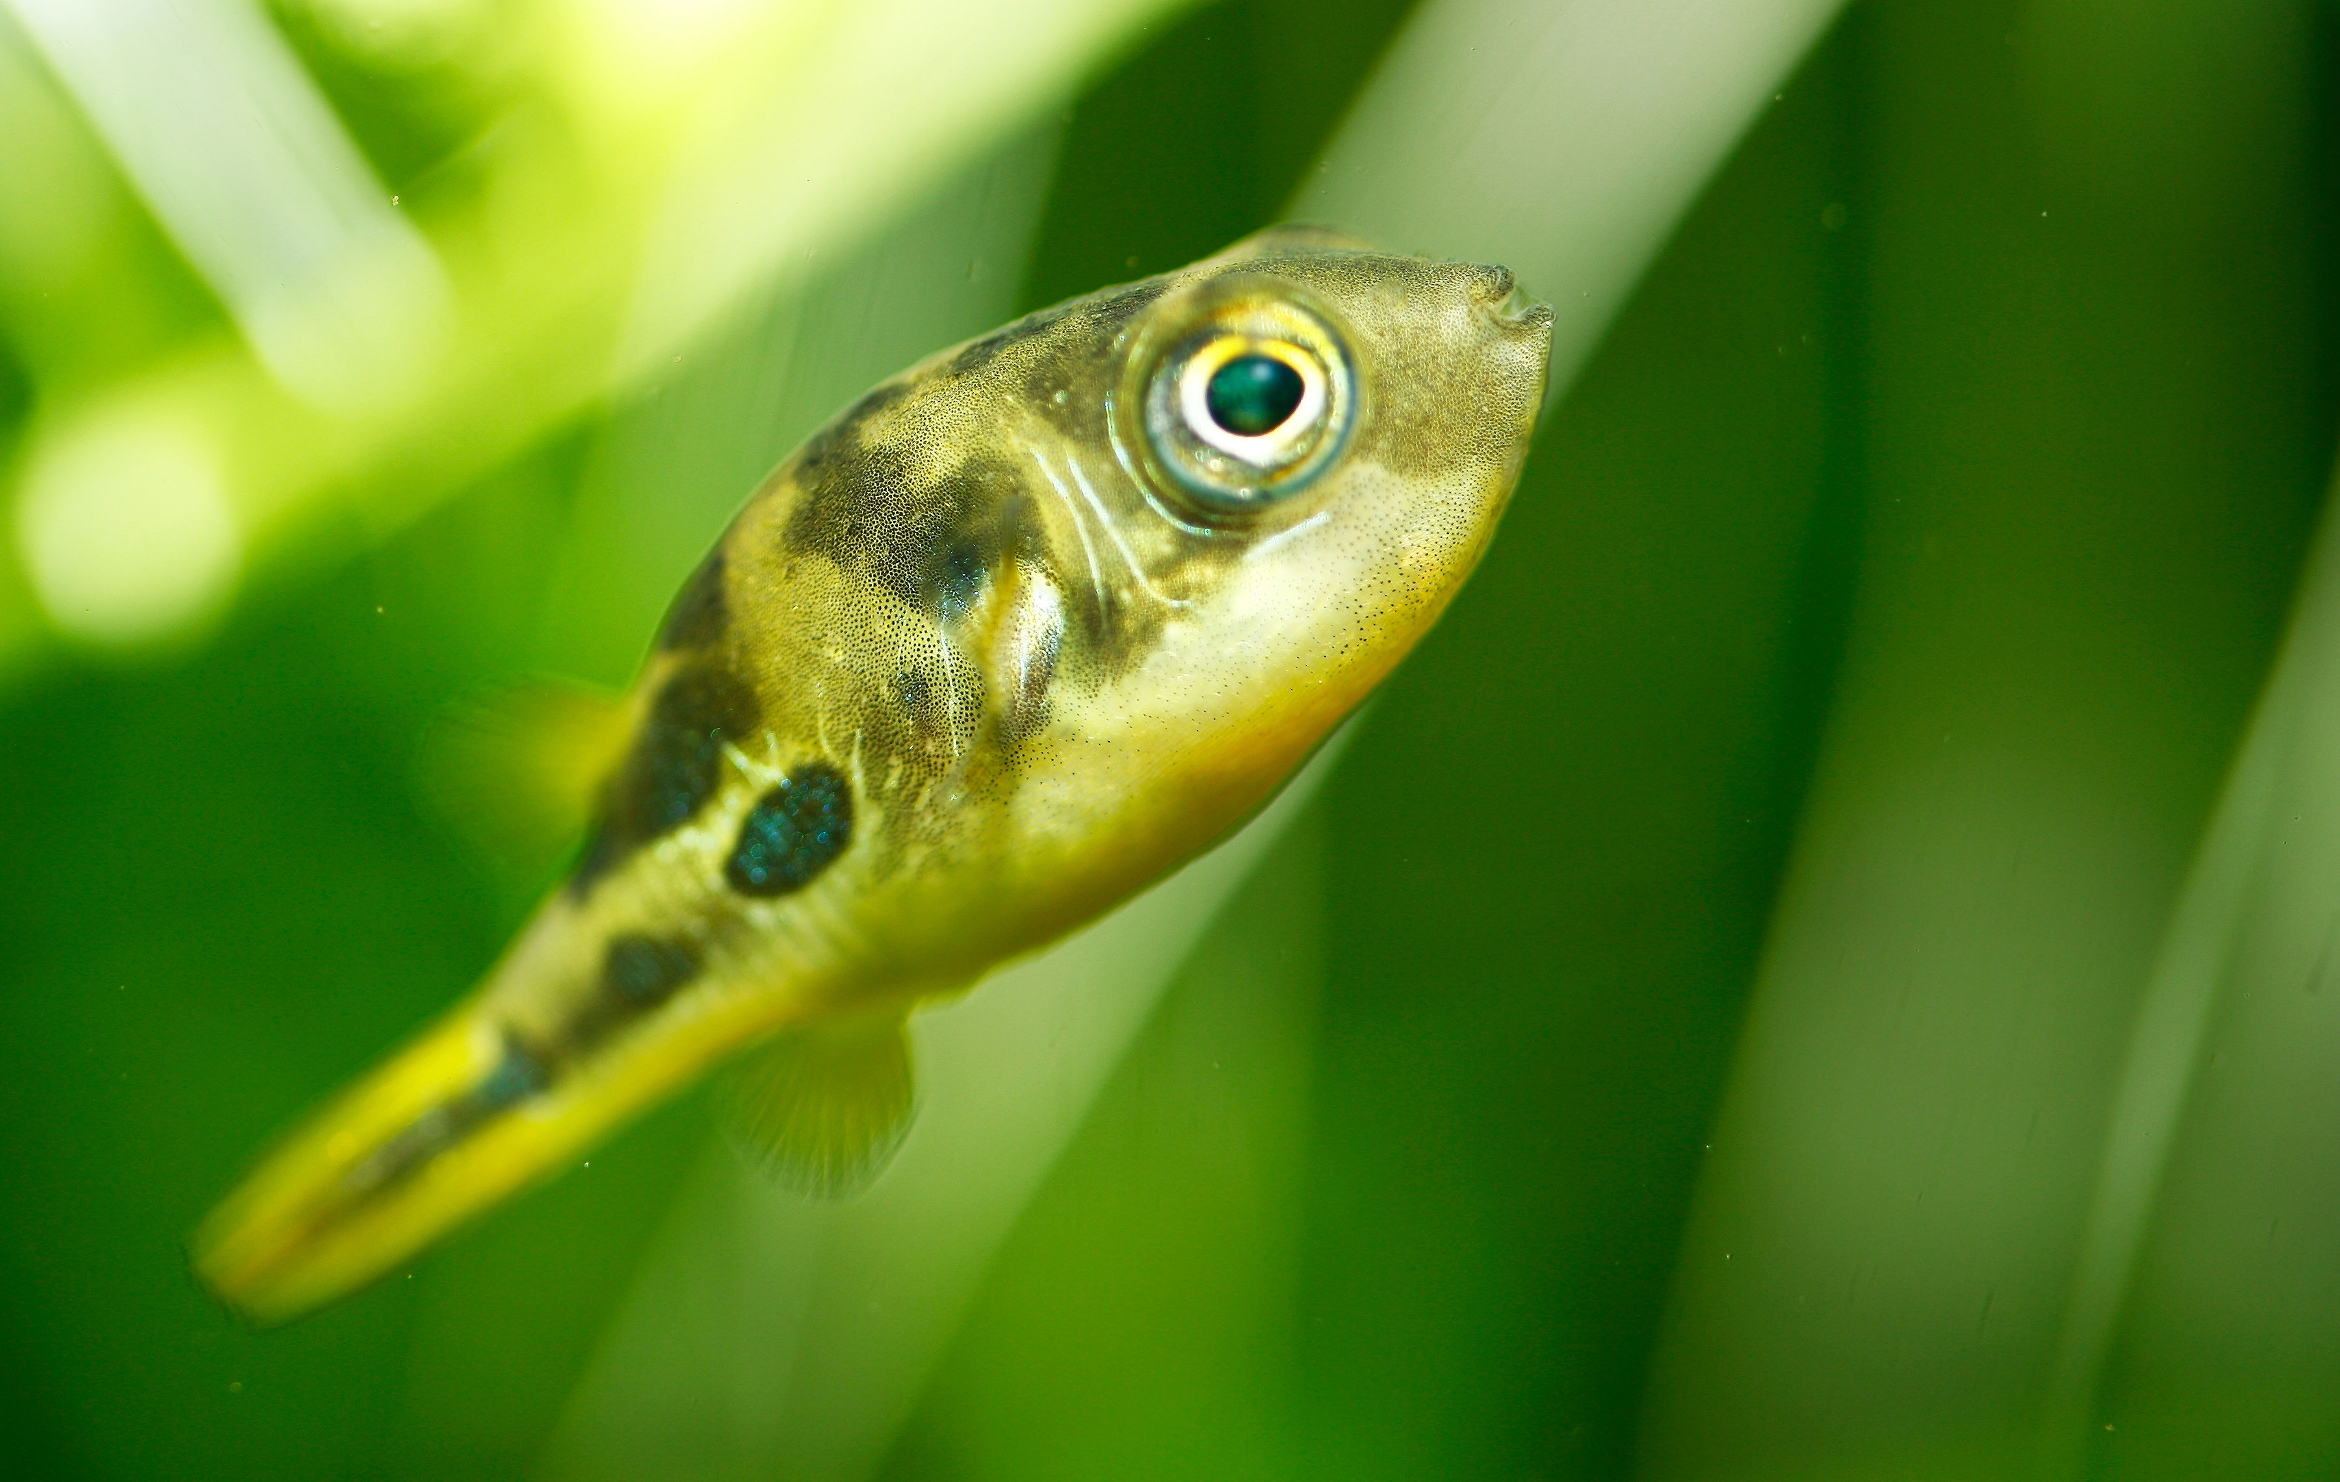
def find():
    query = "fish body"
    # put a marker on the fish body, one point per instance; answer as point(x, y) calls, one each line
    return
point(1025, 628)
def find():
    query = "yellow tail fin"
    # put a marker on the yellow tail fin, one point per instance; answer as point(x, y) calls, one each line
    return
point(445, 1128)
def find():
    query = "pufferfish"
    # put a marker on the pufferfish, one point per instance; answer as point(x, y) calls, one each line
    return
point(1021, 631)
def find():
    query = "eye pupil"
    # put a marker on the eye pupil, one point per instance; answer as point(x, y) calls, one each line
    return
point(1253, 394)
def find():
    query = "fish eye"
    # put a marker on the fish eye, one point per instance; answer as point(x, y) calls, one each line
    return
point(1251, 400)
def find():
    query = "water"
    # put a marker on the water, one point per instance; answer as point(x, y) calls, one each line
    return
point(1765, 858)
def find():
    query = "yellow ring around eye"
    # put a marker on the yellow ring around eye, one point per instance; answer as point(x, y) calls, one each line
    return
point(1267, 449)
point(1167, 417)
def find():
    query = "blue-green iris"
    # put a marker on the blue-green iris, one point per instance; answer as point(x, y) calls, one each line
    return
point(1252, 394)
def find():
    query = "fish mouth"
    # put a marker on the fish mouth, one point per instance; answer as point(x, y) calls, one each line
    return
point(1493, 284)
point(1521, 311)
point(1494, 289)
point(1519, 328)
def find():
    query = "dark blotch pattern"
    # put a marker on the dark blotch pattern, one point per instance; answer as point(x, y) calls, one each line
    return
point(675, 764)
point(638, 973)
point(700, 611)
point(643, 972)
point(518, 1076)
point(956, 579)
point(869, 499)
point(932, 543)
point(796, 831)
point(522, 1073)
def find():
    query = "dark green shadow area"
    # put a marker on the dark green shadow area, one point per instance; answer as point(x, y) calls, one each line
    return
point(219, 899)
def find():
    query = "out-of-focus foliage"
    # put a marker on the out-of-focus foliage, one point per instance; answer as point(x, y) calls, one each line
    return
point(1776, 988)
point(2096, 411)
point(556, 199)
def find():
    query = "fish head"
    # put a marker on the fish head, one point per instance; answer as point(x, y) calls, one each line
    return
point(1311, 554)
point(1156, 544)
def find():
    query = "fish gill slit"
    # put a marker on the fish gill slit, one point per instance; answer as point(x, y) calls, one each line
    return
point(1080, 528)
point(1080, 479)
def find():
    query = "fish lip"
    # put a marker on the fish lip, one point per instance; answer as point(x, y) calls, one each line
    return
point(1522, 312)
point(1497, 291)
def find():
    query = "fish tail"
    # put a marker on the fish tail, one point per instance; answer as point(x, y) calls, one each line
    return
point(365, 1181)
point(466, 1114)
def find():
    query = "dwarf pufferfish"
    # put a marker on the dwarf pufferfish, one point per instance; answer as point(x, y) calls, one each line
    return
point(1021, 631)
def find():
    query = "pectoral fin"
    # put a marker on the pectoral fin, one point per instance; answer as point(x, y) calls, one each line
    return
point(823, 1108)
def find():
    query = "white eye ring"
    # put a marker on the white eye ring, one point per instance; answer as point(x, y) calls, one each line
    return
point(1264, 451)
point(1164, 414)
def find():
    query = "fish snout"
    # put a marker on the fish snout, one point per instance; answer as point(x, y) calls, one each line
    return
point(1495, 290)
point(1492, 284)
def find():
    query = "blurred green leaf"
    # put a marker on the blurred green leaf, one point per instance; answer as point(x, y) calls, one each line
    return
point(635, 174)
point(2096, 437)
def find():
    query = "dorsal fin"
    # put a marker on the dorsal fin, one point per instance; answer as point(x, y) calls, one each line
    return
point(823, 1108)
point(517, 771)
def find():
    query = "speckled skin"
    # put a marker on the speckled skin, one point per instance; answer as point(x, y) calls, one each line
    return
point(1022, 671)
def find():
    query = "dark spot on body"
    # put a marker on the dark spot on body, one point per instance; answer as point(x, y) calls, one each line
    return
point(932, 542)
point(643, 972)
point(519, 1075)
point(700, 611)
point(675, 764)
point(638, 973)
point(794, 832)
point(955, 579)
point(854, 499)
point(866, 502)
